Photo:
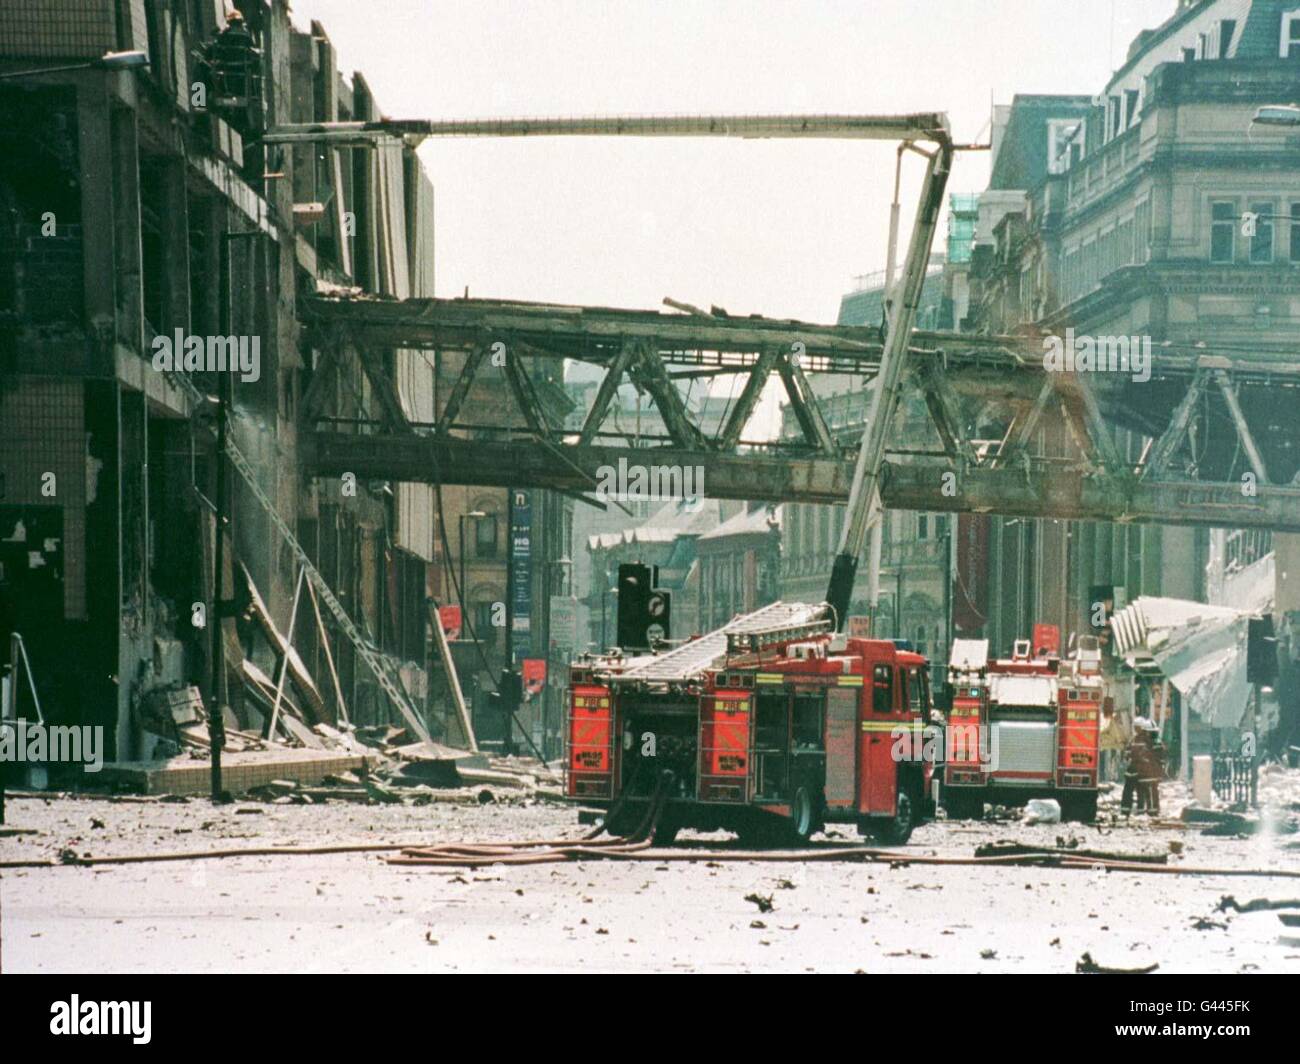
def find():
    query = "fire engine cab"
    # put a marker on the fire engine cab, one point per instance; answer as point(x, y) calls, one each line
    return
point(771, 726)
point(1023, 727)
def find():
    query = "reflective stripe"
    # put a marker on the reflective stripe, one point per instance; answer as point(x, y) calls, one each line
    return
point(849, 681)
point(770, 677)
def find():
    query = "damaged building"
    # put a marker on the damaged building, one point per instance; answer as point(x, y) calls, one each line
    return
point(1121, 215)
point(137, 212)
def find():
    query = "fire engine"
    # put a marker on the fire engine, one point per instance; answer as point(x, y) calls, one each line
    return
point(1023, 727)
point(771, 726)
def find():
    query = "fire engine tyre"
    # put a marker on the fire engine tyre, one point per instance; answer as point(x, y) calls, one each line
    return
point(1079, 807)
point(803, 823)
point(897, 830)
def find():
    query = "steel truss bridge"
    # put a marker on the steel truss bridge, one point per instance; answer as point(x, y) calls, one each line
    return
point(1222, 438)
point(1223, 435)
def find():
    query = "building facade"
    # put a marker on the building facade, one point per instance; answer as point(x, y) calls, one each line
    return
point(1121, 216)
point(136, 207)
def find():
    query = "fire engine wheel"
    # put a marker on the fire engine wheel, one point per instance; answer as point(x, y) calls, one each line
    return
point(803, 816)
point(898, 829)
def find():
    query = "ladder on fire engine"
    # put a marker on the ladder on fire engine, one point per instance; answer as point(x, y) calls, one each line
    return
point(691, 660)
point(377, 662)
point(755, 640)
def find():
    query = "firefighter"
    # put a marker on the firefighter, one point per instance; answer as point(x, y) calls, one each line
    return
point(1144, 770)
point(233, 73)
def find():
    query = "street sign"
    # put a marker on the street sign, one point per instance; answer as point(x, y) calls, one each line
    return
point(450, 619)
point(534, 675)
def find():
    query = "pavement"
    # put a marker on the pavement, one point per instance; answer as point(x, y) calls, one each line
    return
point(355, 913)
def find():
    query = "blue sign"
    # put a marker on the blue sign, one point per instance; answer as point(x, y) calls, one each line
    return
point(521, 572)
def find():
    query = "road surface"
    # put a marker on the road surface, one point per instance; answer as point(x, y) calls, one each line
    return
point(355, 913)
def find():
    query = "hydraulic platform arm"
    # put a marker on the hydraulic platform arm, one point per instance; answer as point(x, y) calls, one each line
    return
point(864, 495)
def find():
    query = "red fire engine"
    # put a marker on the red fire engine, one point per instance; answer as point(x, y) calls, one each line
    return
point(770, 727)
point(773, 724)
point(1024, 727)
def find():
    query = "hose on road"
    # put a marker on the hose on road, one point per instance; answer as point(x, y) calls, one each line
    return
point(637, 846)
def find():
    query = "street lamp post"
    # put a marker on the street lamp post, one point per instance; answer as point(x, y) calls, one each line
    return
point(560, 565)
point(109, 61)
point(473, 515)
point(605, 591)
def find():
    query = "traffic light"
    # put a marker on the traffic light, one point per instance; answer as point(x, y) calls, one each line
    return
point(644, 611)
point(505, 702)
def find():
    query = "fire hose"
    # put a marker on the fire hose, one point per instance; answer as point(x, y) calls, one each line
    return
point(637, 846)
point(550, 851)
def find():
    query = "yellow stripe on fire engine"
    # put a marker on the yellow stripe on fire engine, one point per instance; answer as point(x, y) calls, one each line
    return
point(891, 725)
point(770, 677)
point(849, 681)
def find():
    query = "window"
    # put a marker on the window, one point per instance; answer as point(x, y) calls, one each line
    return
point(916, 690)
point(882, 689)
point(1295, 232)
point(1261, 244)
point(922, 526)
point(1189, 55)
point(1245, 547)
point(807, 724)
point(1064, 139)
point(1130, 107)
point(1227, 28)
point(483, 628)
point(485, 537)
point(1223, 230)
point(1290, 35)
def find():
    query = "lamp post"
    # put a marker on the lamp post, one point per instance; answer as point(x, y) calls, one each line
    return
point(108, 61)
point(473, 515)
point(562, 565)
point(604, 598)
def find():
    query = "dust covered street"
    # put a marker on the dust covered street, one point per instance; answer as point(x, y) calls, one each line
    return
point(356, 913)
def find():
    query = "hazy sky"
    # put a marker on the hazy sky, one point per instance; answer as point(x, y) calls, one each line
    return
point(772, 227)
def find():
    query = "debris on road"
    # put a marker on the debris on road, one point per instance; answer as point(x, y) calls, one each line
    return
point(1042, 811)
point(1009, 848)
point(1256, 905)
point(1085, 965)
